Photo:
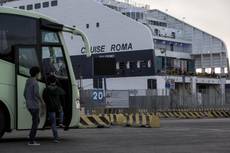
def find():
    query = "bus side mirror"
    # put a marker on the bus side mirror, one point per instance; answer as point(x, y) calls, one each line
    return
point(77, 32)
point(85, 40)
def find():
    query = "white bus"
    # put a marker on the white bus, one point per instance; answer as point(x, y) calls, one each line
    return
point(29, 39)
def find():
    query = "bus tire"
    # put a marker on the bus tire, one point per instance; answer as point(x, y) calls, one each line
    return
point(2, 123)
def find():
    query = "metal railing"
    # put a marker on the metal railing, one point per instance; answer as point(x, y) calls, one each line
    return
point(151, 101)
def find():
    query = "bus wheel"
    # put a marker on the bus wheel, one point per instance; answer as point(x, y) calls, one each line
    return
point(2, 123)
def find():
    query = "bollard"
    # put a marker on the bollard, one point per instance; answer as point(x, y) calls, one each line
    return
point(143, 120)
point(154, 121)
point(130, 121)
point(121, 119)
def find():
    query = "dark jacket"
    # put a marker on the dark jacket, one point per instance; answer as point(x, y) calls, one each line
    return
point(52, 97)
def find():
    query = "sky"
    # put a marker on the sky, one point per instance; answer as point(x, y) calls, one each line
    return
point(212, 16)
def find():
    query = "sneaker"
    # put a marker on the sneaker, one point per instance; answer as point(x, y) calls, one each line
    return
point(33, 144)
point(61, 126)
point(56, 141)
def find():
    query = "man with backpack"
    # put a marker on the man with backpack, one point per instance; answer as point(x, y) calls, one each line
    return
point(52, 97)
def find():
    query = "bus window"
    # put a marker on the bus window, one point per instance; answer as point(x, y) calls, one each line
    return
point(49, 37)
point(3, 43)
point(15, 30)
point(27, 59)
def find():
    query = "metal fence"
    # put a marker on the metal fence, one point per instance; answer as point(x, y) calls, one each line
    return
point(131, 101)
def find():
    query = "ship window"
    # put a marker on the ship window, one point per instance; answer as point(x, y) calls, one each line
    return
point(45, 4)
point(133, 65)
point(97, 83)
point(37, 6)
point(133, 15)
point(117, 65)
point(122, 65)
point(156, 32)
point(143, 64)
point(128, 65)
point(138, 15)
point(104, 66)
point(87, 26)
point(54, 3)
point(97, 24)
point(152, 84)
point(171, 47)
point(142, 15)
point(22, 7)
point(29, 7)
point(149, 63)
point(138, 64)
point(173, 34)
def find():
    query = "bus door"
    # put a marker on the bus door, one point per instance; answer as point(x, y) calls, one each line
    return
point(26, 57)
point(54, 63)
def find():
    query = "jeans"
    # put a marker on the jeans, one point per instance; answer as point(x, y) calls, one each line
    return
point(61, 115)
point(35, 122)
point(52, 117)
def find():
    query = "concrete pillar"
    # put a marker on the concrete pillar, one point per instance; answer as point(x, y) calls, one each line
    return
point(161, 86)
point(194, 89)
point(222, 88)
point(211, 61)
point(222, 70)
point(212, 70)
point(203, 70)
point(193, 85)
